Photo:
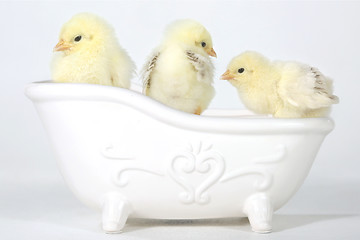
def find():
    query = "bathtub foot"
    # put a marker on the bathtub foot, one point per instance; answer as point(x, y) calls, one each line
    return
point(259, 210)
point(115, 213)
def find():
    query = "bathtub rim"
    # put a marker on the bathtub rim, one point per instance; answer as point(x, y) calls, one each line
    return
point(50, 91)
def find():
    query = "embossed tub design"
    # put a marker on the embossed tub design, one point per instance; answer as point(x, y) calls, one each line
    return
point(130, 156)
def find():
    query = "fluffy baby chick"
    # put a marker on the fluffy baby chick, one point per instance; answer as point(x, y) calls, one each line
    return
point(179, 73)
point(283, 89)
point(88, 52)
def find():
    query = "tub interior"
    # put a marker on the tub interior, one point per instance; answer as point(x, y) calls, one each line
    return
point(228, 113)
point(212, 112)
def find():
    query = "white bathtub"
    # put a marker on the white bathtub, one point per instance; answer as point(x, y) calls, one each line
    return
point(130, 156)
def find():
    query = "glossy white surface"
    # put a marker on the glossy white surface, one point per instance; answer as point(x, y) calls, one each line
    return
point(129, 155)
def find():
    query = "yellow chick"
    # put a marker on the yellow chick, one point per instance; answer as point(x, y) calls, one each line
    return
point(88, 52)
point(179, 73)
point(283, 89)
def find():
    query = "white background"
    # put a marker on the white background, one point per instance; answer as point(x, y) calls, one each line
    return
point(36, 204)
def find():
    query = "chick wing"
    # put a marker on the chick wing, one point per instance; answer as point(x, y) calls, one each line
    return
point(148, 69)
point(305, 87)
point(202, 65)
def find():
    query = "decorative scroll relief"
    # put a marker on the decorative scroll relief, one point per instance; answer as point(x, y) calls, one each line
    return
point(201, 159)
point(205, 163)
point(267, 178)
point(260, 184)
point(121, 179)
point(110, 152)
point(279, 155)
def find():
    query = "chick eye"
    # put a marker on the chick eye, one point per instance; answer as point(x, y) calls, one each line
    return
point(77, 38)
point(203, 44)
point(241, 70)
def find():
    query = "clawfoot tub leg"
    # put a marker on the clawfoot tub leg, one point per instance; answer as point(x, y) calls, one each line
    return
point(114, 213)
point(259, 210)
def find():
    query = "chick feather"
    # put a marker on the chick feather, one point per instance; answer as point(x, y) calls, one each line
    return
point(88, 52)
point(179, 73)
point(285, 89)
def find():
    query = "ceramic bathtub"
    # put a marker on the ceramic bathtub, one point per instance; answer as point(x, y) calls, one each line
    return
point(130, 156)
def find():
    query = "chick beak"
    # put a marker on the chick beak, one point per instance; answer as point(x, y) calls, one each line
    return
point(227, 76)
point(211, 52)
point(61, 46)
